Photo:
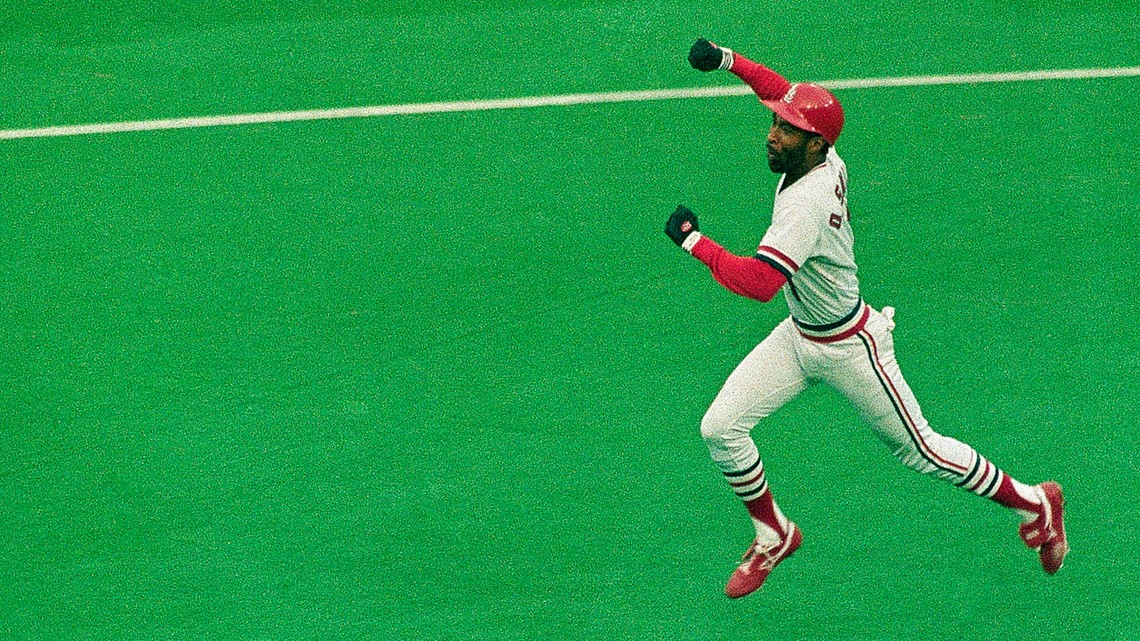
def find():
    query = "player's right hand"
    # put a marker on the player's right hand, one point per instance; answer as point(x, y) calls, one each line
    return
point(705, 56)
point(681, 225)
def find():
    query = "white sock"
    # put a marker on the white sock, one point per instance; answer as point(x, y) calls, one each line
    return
point(1031, 494)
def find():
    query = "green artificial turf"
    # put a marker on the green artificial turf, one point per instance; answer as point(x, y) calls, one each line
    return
point(441, 376)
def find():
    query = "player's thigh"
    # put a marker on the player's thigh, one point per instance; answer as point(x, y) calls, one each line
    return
point(875, 384)
point(770, 376)
point(865, 371)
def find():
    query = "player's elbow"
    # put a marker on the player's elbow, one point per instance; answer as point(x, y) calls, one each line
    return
point(766, 289)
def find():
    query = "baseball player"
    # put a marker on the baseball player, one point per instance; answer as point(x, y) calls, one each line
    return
point(832, 335)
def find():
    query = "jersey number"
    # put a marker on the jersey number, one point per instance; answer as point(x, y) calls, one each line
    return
point(840, 193)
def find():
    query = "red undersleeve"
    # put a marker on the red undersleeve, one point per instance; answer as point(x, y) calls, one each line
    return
point(743, 275)
point(767, 84)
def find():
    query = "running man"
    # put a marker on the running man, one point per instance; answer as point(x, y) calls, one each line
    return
point(831, 336)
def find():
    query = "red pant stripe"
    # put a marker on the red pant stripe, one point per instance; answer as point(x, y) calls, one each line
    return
point(903, 412)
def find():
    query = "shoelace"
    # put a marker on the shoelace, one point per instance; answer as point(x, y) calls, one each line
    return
point(1038, 533)
point(769, 561)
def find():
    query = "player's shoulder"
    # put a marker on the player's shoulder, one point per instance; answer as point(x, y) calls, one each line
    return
point(818, 185)
point(812, 197)
point(833, 157)
point(832, 169)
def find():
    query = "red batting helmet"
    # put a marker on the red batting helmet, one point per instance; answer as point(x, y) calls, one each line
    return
point(811, 108)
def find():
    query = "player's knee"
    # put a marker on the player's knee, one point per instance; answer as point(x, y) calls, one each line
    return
point(720, 431)
point(909, 456)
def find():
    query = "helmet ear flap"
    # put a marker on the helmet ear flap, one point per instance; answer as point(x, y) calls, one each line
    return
point(811, 108)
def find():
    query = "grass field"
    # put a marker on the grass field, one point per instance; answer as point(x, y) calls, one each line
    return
point(440, 376)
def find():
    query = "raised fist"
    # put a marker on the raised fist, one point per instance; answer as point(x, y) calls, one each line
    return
point(705, 56)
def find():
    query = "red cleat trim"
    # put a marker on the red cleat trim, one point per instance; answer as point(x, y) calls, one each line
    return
point(751, 574)
point(1046, 533)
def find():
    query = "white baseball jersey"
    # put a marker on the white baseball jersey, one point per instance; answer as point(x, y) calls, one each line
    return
point(811, 243)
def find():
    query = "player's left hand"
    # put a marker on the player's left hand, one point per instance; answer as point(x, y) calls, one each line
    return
point(681, 225)
point(706, 56)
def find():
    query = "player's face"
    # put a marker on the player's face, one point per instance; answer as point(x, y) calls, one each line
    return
point(787, 146)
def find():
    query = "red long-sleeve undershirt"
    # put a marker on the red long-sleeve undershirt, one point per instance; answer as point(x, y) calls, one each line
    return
point(767, 84)
point(744, 275)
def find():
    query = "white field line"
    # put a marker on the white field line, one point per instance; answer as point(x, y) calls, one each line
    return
point(546, 101)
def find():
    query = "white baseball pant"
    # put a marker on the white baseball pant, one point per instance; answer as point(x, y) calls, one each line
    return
point(863, 368)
